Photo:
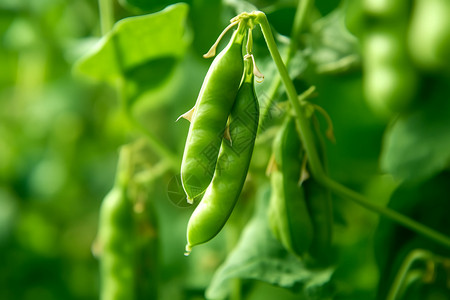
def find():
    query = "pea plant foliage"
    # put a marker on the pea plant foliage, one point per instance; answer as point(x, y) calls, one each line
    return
point(313, 162)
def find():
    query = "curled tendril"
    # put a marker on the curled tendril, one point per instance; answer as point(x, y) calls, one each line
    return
point(259, 76)
point(212, 51)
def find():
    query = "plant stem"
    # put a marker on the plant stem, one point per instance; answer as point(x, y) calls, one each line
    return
point(124, 165)
point(417, 254)
point(303, 8)
point(106, 9)
point(345, 192)
point(301, 119)
point(156, 144)
point(315, 165)
point(147, 176)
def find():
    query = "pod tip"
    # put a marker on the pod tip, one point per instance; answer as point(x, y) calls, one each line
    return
point(188, 250)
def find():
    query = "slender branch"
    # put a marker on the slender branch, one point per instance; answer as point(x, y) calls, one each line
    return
point(301, 119)
point(345, 192)
point(315, 165)
point(417, 254)
point(123, 172)
point(106, 8)
point(303, 7)
point(149, 175)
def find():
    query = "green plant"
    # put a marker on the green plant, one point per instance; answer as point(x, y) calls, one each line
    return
point(301, 217)
point(366, 84)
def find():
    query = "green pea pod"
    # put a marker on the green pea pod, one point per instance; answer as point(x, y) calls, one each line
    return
point(386, 9)
point(318, 201)
point(429, 34)
point(210, 115)
point(232, 165)
point(115, 238)
point(288, 214)
point(390, 80)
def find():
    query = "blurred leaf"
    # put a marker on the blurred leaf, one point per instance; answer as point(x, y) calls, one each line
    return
point(139, 4)
point(8, 211)
point(240, 6)
point(146, 5)
point(297, 64)
point(136, 41)
point(38, 232)
point(149, 75)
point(426, 203)
point(20, 34)
point(258, 255)
point(333, 48)
point(417, 145)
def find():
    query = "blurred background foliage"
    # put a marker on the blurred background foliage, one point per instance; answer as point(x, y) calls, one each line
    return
point(62, 121)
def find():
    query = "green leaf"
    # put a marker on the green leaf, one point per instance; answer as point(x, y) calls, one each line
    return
point(240, 6)
point(137, 41)
point(333, 48)
point(417, 145)
point(259, 256)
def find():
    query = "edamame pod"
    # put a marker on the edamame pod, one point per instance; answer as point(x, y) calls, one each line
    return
point(232, 165)
point(209, 117)
point(288, 214)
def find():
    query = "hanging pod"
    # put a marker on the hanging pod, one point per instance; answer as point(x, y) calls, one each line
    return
point(209, 116)
point(116, 239)
point(288, 213)
point(233, 161)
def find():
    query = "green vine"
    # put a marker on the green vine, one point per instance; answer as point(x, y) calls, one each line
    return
point(303, 8)
point(306, 134)
point(106, 9)
point(415, 255)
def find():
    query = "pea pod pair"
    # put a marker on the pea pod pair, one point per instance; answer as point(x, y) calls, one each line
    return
point(209, 116)
point(115, 237)
point(233, 161)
